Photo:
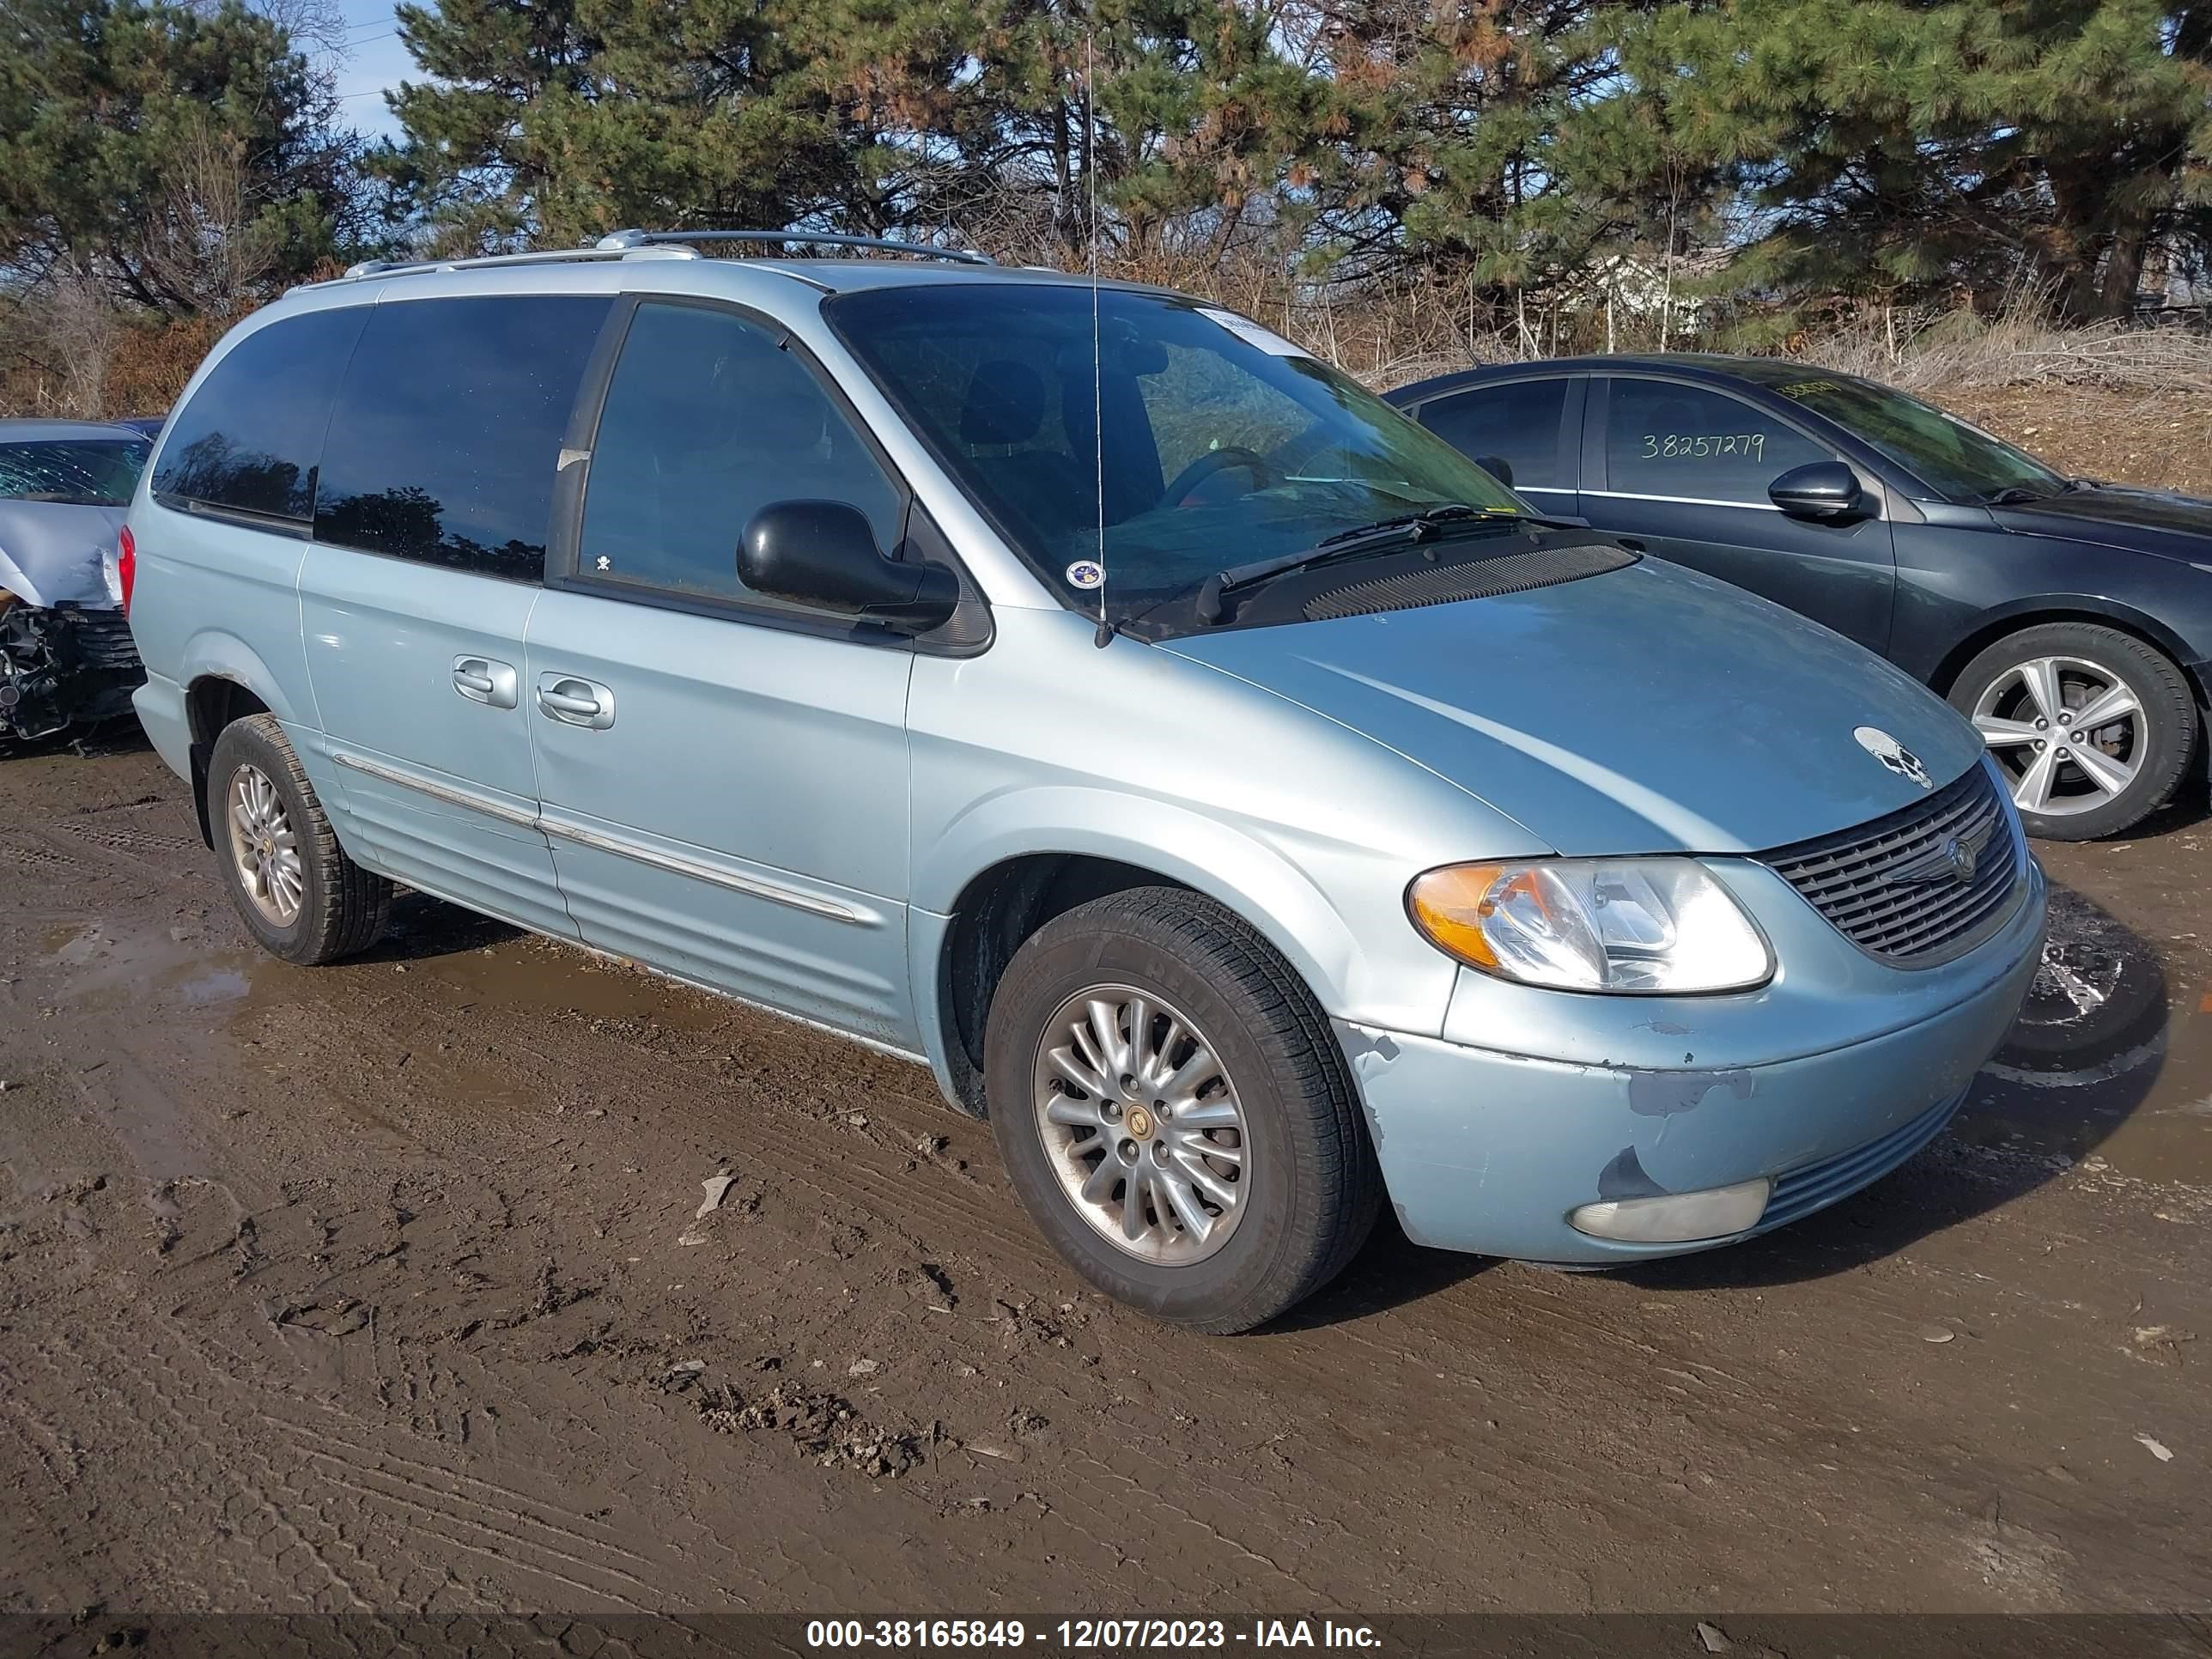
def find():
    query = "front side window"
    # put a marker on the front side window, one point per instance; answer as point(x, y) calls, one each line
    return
point(1683, 441)
point(709, 418)
point(1963, 462)
point(1188, 442)
point(445, 440)
point(77, 471)
point(1517, 421)
point(248, 440)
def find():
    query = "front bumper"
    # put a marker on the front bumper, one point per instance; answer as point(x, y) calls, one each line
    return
point(70, 666)
point(1490, 1151)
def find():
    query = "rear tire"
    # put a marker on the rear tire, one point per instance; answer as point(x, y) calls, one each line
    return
point(298, 893)
point(1233, 1114)
point(2089, 778)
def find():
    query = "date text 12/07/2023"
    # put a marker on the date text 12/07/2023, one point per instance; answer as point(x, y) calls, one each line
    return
point(1080, 1635)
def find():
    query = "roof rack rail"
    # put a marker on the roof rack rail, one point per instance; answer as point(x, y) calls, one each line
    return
point(400, 267)
point(625, 240)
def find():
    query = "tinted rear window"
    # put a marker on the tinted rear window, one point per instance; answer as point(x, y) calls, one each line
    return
point(1518, 422)
point(247, 441)
point(446, 436)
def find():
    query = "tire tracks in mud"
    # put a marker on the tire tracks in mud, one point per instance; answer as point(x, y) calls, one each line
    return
point(411, 1343)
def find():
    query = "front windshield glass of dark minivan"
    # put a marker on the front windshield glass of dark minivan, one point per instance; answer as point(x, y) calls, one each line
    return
point(1224, 445)
point(1962, 462)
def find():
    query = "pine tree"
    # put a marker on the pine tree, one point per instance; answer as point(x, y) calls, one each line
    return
point(179, 156)
point(1951, 151)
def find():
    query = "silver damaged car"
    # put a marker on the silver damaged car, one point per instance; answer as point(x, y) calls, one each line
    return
point(66, 660)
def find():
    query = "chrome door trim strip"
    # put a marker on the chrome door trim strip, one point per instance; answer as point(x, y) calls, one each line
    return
point(774, 892)
point(1687, 500)
point(447, 793)
point(758, 887)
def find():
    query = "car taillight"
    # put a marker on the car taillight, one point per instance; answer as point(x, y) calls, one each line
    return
point(126, 565)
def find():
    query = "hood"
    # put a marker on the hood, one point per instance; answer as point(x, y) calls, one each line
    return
point(2141, 520)
point(1652, 710)
point(50, 552)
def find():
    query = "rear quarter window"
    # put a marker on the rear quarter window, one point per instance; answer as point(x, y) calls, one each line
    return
point(1517, 421)
point(249, 439)
point(445, 440)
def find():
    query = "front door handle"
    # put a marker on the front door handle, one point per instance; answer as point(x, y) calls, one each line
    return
point(485, 680)
point(575, 702)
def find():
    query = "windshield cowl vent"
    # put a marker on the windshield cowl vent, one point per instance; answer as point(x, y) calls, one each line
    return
point(1477, 579)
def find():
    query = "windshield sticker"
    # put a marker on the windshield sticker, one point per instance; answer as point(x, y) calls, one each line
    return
point(1252, 334)
point(1807, 388)
point(1675, 446)
point(1086, 573)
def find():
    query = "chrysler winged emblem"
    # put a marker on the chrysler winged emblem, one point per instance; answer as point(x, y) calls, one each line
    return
point(1954, 859)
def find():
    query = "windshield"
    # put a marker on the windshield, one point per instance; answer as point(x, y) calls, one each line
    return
point(1224, 445)
point(1962, 462)
point(83, 471)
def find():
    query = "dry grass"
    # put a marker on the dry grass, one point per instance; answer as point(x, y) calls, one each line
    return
point(2130, 404)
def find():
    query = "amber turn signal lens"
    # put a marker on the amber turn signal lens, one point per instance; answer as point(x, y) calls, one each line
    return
point(1448, 905)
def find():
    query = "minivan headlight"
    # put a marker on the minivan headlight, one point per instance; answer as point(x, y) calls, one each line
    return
point(1652, 926)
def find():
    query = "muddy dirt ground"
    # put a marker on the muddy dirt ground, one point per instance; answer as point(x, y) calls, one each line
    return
point(381, 1286)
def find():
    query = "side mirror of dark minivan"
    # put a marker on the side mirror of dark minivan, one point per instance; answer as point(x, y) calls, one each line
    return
point(1498, 467)
point(1827, 491)
point(824, 553)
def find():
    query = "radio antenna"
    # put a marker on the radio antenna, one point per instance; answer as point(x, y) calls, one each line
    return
point(1097, 363)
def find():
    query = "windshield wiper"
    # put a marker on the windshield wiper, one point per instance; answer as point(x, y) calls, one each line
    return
point(2014, 495)
point(1359, 541)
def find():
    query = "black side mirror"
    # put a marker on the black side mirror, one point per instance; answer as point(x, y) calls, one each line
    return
point(824, 553)
point(1826, 491)
point(1498, 467)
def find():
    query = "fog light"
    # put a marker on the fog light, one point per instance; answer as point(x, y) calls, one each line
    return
point(1676, 1217)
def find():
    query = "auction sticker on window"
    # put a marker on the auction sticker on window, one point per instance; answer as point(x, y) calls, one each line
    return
point(1252, 334)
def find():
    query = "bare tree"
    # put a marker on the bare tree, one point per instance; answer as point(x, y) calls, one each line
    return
point(205, 240)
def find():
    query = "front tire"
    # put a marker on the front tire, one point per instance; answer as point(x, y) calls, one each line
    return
point(298, 893)
point(2092, 728)
point(1175, 1113)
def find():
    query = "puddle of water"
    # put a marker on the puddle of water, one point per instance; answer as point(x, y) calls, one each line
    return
point(2146, 1112)
point(216, 985)
point(102, 959)
point(2113, 1056)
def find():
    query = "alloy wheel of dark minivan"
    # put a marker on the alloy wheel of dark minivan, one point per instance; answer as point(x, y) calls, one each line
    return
point(2091, 727)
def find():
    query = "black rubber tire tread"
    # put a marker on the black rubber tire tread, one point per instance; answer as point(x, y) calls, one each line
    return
point(2169, 705)
point(1291, 1067)
point(343, 907)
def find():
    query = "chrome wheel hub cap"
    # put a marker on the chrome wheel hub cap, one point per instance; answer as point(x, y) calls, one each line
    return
point(2068, 733)
point(264, 846)
point(1142, 1125)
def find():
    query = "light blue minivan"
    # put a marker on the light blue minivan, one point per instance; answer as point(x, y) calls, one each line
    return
point(1252, 807)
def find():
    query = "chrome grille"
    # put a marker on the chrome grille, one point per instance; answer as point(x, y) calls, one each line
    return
point(1894, 887)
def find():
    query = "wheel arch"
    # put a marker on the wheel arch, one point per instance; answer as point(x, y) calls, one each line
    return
point(968, 924)
point(1996, 625)
point(212, 702)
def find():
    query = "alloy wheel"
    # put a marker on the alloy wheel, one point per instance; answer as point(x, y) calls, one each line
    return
point(264, 846)
point(1142, 1124)
point(2068, 734)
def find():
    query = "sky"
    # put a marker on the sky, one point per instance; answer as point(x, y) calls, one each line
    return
point(374, 60)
